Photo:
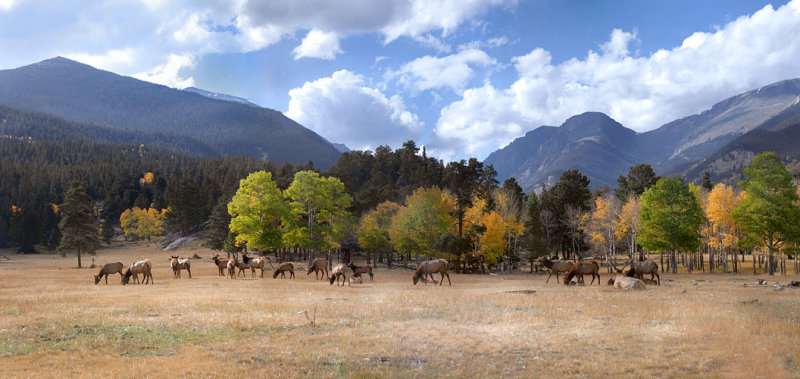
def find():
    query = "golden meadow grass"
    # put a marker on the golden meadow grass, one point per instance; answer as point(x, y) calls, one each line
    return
point(55, 322)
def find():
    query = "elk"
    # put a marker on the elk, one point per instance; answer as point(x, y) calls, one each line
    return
point(254, 263)
point(179, 264)
point(337, 272)
point(638, 269)
point(582, 268)
point(556, 267)
point(358, 270)
point(317, 266)
point(625, 282)
point(242, 266)
point(282, 269)
point(222, 264)
point(140, 267)
point(109, 268)
point(429, 268)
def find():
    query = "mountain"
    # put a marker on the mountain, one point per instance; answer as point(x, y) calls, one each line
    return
point(219, 96)
point(602, 149)
point(591, 142)
point(83, 94)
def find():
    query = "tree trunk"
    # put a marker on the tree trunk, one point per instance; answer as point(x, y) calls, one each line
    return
point(674, 262)
point(79, 259)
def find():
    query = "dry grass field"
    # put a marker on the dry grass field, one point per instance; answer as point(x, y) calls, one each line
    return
point(54, 322)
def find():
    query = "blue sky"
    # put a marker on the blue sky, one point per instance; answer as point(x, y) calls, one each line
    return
point(462, 77)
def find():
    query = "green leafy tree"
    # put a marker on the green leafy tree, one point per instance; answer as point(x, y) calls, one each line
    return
point(257, 210)
point(419, 226)
point(373, 233)
point(640, 178)
point(671, 217)
point(535, 235)
point(769, 214)
point(78, 231)
point(317, 204)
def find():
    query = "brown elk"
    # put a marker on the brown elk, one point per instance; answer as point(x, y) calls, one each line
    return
point(625, 282)
point(254, 263)
point(638, 269)
point(109, 268)
point(361, 269)
point(555, 267)
point(234, 264)
point(177, 264)
point(338, 271)
point(429, 268)
point(582, 268)
point(222, 263)
point(140, 267)
point(282, 269)
point(319, 265)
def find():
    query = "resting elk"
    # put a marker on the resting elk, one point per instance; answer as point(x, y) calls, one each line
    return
point(427, 268)
point(582, 268)
point(140, 267)
point(319, 265)
point(625, 282)
point(361, 269)
point(177, 264)
point(556, 267)
point(109, 268)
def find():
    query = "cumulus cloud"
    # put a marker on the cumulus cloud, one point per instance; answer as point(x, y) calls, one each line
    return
point(318, 44)
point(6, 4)
point(642, 93)
point(452, 71)
point(169, 73)
point(342, 108)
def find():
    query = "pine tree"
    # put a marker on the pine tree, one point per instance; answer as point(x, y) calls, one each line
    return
point(78, 232)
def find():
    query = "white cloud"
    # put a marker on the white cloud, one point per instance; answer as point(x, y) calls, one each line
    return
point(640, 92)
point(318, 44)
point(6, 5)
point(452, 71)
point(342, 108)
point(113, 60)
point(169, 73)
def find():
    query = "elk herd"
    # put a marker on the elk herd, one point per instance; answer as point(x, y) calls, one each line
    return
point(229, 267)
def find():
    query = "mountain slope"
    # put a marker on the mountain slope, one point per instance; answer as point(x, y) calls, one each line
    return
point(591, 142)
point(603, 149)
point(78, 92)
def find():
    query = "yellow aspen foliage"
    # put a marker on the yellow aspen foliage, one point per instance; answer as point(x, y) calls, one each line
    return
point(55, 207)
point(147, 179)
point(602, 222)
point(142, 223)
point(493, 243)
point(722, 200)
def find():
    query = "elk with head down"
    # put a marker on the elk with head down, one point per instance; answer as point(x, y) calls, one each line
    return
point(140, 267)
point(431, 267)
point(555, 267)
point(109, 268)
point(319, 265)
point(177, 264)
point(582, 268)
point(638, 269)
point(338, 271)
point(282, 269)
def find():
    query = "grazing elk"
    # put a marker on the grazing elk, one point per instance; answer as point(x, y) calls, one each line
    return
point(555, 267)
point(254, 263)
point(317, 266)
point(580, 269)
point(338, 271)
point(429, 268)
point(638, 269)
point(282, 269)
point(109, 268)
point(136, 268)
point(222, 264)
point(234, 264)
point(177, 264)
point(361, 269)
